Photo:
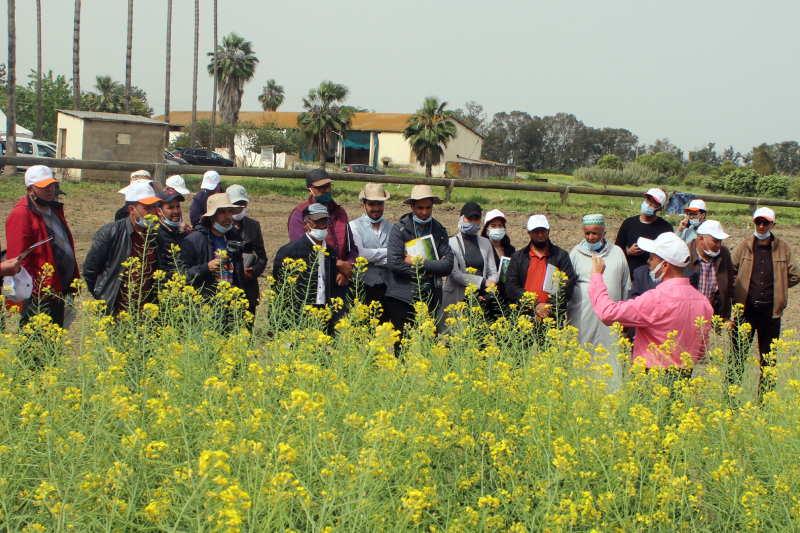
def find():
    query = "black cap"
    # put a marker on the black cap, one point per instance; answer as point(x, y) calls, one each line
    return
point(471, 209)
point(58, 191)
point(317, 177)
point(170, 195)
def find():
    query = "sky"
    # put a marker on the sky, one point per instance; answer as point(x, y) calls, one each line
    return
point(694, 71)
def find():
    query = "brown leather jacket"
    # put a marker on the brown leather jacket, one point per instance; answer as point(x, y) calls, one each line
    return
point(787, 272)
point(725, 278)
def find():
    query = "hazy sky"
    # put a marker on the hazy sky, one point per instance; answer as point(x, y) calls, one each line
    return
point(695, 71)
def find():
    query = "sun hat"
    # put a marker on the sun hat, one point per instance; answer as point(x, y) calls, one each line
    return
point(537, 221)
point(712, 228)
point(210, 180)
point(217, 201)
point(493, 214)
point(315, 212)
point(142, 175)
point(421, 192)
point(169, 196)
point(657, 194)
point(39, 175)
point(317, 177)
point(695, 205)
point(141, 191)
point(237, 193)
point(374, 192)
point(594, 220)
point(764, 212)
point(471, 209)
point(178, 183)
point(668, 247)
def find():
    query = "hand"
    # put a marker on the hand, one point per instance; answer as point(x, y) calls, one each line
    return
point(213, 265)
point(598, 265)
point(542, 311)
point(10, 267)
point(341, 279)
point(186, 227)
point(490, 283)
point(408, 260)
point(635, 250)
point(684, 223)
point(344, 268)
point(248, 274)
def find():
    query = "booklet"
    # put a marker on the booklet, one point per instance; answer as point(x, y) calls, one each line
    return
point(549, 286)
point(33, 247)
point(423, 247)
point(503, 268)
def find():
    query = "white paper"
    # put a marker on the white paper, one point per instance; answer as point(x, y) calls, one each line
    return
point(549, 286)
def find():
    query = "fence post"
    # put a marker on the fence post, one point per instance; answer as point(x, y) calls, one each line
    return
point(564, 196)
point(448, 190)
point(161, 173)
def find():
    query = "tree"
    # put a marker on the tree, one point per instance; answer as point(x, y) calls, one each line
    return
point(169, 69)
point(610, 161)
point(11, 85)
point(272, 96)
point(323, 116)
point(786, 156)
point(762, 160)
point(707, 155)
point(56, 94)
point(110, 98)
point(619, 142)
point(76, 58)
point(472, 117)
point(38, 69)
point(194, 76)
point(429, 130)
point(128, 59)
point(236, 65)
point(213, 141)
point(663, 145)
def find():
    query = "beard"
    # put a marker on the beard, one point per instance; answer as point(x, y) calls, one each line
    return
point(539, 245)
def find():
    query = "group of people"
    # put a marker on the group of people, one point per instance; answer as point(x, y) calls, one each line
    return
point(662, 285)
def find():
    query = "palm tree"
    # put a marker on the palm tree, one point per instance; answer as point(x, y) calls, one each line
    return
point(212, 142)
point(324, 115)
point(11, 90)
point(106, 95)
point(428, 131)
point(169, 68)
point(236, 65)
point(194, 79)
point(38, 69)
point(76, 58)
point(272, 97)
point(128, 59)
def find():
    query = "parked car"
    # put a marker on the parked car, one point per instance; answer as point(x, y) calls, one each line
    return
point(204, 158)
point(362, 169)
point(170, 159)
point(31, 148)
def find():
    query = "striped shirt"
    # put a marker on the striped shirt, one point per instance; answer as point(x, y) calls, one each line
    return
point(707, 284)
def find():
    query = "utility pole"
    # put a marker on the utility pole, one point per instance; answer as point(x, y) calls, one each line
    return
point(169, 69)
point(212, 143)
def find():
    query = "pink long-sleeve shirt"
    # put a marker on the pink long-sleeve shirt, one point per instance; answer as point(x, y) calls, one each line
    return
point(673, 306)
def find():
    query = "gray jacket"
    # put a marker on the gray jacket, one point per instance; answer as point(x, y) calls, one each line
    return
point(458, 280)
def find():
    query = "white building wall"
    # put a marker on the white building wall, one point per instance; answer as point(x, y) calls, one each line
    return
point(71, 145)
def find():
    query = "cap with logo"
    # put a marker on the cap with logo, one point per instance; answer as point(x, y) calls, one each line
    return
point(537, 221)
point(695, 205)
point(761, 212)
point(237, 193)
point(657, 194)
point(141, 191)
point(317, 177)
point(40, 176)
point(217, 201)
point(210, 180)
point(493, 214)
point(668, 247)
point(178, 183)
point(144, 176)
point(316, 212)
point(170, 196)
point(712, 228)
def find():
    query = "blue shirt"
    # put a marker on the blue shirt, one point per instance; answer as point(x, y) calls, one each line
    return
point(219, 242)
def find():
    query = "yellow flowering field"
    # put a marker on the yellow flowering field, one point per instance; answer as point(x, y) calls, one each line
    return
point(164, 419)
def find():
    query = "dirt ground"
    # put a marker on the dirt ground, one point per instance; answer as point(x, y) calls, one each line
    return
point(273, 213)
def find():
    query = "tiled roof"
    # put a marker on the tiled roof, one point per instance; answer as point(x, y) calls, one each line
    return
point(110, 117)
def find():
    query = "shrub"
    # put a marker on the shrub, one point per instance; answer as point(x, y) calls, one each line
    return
point(631, 174)
point(712, 183)
point(610, 161)
point(742, 181)
point(699, 167)
point(794, 189)
point(727, 167)
point(663, 162)
point(773, 186)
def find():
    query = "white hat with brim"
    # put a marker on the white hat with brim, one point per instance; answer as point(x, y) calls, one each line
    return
point(695, 205)
point(40, 176)
point(712, 228)
point(237, 193)
point(373, 192)
point(422, 192)
point(178, 183)
point(764, 212)
point(493, 214)
point(668, 247)
point(157, 187)
point(657, 194)
point(537, 221)
point(210, 180)
point(218, 201)
point(141, 191)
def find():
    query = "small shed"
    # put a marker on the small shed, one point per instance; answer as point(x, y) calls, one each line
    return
point(97, 136)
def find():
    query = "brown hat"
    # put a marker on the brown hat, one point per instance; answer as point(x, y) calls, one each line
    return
point(374, 192)
point(217, 201)
point(421, 192)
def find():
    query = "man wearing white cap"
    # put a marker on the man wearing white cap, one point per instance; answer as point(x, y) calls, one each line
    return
point(531, 266)
point(115, 243)
point(712, 262)
point(250, 230)
point(647, 224)
point(695, 215)
point(37, 217)
point(667, 312)
point(210, 186)
point(177, 184)
point(371, 236)
point(765, 270)
point(139, 175)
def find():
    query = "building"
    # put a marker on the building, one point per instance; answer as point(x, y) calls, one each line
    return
point(109, 137)
point(374, 139)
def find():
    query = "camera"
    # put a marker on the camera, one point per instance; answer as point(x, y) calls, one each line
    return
point(237, 248)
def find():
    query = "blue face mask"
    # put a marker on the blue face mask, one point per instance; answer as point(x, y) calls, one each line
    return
point(324, 199)
point(170, 224)
point(372, 220)
point(596, 246)
point(222, 229)
point(694, 222)
point(421, 222)
point(762, 237)
point(143, 222)
point(648, 210)
point(496, 234)
point(468, 228)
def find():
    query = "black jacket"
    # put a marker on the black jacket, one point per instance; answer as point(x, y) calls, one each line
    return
point(305, 291)
point(198, 207)
point(169, 237)
point(726, 276)
point(643, 283)
point(197, 250)
point(518, 272)
point(122, 213)
point(102, 269)
point(251, 232)
point(402, 284)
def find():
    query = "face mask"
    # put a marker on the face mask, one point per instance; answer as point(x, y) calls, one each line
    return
point(648, 210)
point(240, 216)
point(323, 199)
point(468, 228)
point(421, 222)
point(762, 237)
point(540, 245)
point(222, 229)
point(318, 234)
point(143, 222)
point(168, 223)
point(39, 201)
point(709, 253)
point(596, 246)
point(694, 222)
point(496, 234)
point(373, 220)
point(653, 273)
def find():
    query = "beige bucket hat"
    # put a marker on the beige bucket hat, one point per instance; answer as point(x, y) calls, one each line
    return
point(218, 201)
point(421, 192)
point(374, 193)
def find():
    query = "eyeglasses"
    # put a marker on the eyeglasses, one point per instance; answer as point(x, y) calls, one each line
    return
point(762, 222)
point(328, 187)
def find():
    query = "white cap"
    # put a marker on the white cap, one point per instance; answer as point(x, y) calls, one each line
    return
point(141, 191)
point(538, 221)
point(765, 212)
point(668, 247)
point(140, 175)
point(658, 194)
point(210, 180)
point(493, 214)
point(39, 175)
point(712, 228)
point(177, 182)
point(696, 205)
point(237, 194)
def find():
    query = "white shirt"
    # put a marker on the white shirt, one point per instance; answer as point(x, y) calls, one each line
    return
point(320, 271)
point(376, 256)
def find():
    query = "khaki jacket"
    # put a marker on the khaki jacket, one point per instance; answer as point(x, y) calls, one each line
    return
point(725, 278)
point(786, 272)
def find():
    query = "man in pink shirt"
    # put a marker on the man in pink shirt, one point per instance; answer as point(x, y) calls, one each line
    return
point(671, 308)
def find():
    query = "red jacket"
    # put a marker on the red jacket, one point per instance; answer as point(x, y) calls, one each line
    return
point(339, 235)
point(25, 226)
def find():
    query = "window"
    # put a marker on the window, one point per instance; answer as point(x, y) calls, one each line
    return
point(45, 151)
point(25, 148)
point(123, 139)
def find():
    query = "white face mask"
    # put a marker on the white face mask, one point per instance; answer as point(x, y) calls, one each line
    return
point(496, 234)
point(318, 235)
point(653, 273)
point(708, 252)
point(240, 216)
